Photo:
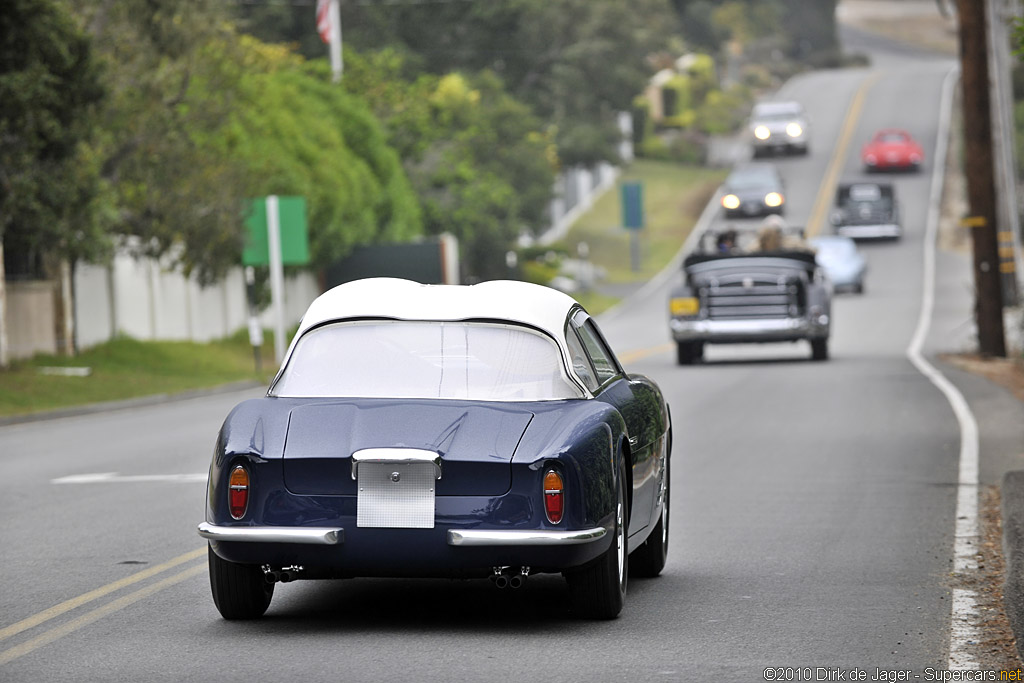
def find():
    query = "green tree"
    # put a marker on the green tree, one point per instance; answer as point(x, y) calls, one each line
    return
point(169, 70)
point(574, 62)
point(49, 89)
point(479, 161)
point(297, 133)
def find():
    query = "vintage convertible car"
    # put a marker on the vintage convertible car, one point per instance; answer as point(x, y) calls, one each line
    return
point(749, 289)
point(442, 431)
point(892, 149)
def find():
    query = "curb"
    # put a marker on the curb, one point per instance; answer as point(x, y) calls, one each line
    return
point(1013, 550)
point(123, 404)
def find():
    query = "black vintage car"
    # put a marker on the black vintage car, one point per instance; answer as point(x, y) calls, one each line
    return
point(867, 210)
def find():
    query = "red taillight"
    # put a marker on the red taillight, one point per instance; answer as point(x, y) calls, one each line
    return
point(554, 496)
point(238, 492)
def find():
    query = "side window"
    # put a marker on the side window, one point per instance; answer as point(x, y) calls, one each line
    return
point(602, 358)
point(580, 362)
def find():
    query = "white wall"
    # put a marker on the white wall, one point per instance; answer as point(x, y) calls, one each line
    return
point(145, 300)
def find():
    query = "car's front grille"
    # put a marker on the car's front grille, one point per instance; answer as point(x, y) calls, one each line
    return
point(750, 299)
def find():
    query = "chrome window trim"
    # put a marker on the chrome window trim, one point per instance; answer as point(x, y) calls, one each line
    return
point(396, 456)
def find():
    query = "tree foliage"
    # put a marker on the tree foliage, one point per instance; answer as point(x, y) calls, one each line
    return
point(478, 159)
point(49, 88)
point(807, 28)
point(298, 134)
point(574, 62)
point(173, 196)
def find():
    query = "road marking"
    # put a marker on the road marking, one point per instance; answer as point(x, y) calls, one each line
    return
point(964, 614)
point(58, 632)
point(637, 354)
point(828, 183)
point(85, 598)
point(114, 477)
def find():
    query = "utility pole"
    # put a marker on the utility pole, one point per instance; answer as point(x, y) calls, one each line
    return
point(980, 172)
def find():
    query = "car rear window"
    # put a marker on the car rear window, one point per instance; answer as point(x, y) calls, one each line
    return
point(412, 359)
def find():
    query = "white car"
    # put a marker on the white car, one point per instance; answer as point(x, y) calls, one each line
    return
point(779, 126)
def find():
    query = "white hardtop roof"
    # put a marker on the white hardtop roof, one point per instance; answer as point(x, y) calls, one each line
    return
point(382, 297)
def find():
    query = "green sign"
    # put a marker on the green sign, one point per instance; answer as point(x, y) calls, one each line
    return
point(294, 232)
point(632, 206)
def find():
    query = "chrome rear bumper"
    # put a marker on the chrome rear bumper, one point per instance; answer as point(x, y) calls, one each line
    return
point(515, 537)
point(273, 534)
point(884, 230)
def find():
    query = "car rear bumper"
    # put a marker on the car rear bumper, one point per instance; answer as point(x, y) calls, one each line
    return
point(743, 331)
point(876, 231)
point(457, 537)
point(336, 552)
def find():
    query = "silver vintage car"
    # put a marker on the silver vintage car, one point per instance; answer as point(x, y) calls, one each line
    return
point(767, 290)
point(779, 127)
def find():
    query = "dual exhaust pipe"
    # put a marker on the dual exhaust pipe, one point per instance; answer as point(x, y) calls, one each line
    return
point(506, 577)
point(282, 575)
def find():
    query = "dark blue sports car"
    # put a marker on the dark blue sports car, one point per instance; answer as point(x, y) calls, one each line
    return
point(450, 431)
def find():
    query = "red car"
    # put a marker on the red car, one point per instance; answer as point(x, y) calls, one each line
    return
point(892, 149)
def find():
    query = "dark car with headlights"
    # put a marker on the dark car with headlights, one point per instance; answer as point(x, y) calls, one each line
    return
point(739, 292)
point(867, 211)
point(752, 190)
point(442, 431)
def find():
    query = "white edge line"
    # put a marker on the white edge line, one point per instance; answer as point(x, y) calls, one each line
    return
point(963, 611)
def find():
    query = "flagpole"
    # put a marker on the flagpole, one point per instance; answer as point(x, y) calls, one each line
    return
point(336, 64)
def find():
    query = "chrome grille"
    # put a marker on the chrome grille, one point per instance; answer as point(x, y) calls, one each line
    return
point(741, 300)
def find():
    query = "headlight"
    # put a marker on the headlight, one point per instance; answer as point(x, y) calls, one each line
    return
point(762, 133)
point(773, 199)
point(684, 305)
point(794, 130)
point(731, 201)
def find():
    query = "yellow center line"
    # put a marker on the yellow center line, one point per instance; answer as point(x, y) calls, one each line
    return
point(58, 632)
point(828, 183)
point(85, 598)
point(637, 354)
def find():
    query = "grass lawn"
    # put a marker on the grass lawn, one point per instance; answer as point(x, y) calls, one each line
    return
point(126, 368)
point(673, 198)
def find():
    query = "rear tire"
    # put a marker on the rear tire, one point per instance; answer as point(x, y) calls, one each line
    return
point(239, 590)
point(598, 590)
point(819, 349)
point(649, 559)
point(687, 353)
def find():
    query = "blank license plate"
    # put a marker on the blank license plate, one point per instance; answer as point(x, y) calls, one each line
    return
point(397, 496)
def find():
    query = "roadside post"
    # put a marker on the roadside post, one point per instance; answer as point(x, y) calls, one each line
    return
point(633, 219)
point(277, 236)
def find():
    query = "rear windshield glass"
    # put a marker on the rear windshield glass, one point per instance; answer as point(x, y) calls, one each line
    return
point(411, 359)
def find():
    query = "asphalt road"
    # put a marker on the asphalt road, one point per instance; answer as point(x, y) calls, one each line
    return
point(812, 510)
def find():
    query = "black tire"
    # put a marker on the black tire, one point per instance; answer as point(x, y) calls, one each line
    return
point(858, 288)
point(239, 590)
point(649, 559)
point(598, 590)
point(686, 352)
point(819, 349)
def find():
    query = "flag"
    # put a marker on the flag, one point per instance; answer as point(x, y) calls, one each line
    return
point(323, 20)
point(328, 25)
